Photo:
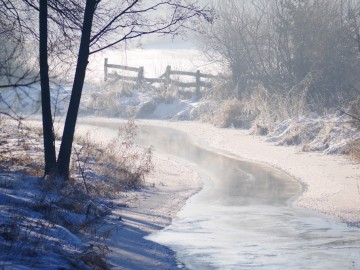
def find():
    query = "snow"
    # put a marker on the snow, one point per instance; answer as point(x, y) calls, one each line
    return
point(177, 108)
point(329, 134)
point(308, 149)
point(330, 187)
point(27, 238)
point(42, 226)
point(154, 207)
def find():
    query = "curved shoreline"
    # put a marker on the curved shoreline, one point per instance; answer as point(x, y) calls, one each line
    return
point(331, 181)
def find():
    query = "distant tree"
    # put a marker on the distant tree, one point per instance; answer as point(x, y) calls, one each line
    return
point(16, 73)
point(238, 37)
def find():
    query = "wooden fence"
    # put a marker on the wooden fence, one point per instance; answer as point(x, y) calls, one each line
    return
point(164, 79)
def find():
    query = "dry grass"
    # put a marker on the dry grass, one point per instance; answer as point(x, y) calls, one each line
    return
point(353, 149)
point(119, 165)
point(233, 113)
point(273, 108)
point(222, 90)
point(20, 149)
point(258, 106)
point(98, 168)
point(107, 100)
point(355, 111)
point(95, 257)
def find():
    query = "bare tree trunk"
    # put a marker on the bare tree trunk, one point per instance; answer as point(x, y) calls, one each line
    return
point(48, 131)
point(71, 117)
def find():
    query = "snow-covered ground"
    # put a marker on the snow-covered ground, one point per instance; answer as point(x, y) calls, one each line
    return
point(40, 226)
point(43, 228)
point(307, 148)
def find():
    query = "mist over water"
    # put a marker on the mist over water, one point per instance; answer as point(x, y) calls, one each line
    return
point(242, 218)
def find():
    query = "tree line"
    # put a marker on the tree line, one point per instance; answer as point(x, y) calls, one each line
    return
point(289, 46)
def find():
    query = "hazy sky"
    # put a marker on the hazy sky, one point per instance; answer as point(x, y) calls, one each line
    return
point(187, 42)
point(169, 43)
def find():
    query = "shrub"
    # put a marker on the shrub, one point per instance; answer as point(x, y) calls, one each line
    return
point(353, 149)
point(114, 166)
point(274, 107)
point(233, 114)
point(283, 44)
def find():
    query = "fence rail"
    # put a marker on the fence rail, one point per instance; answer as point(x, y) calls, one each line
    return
point(164, 78)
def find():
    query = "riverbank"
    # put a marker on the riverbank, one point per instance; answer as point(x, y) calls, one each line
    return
point(330, 187)
point(147, 210)
point(331, 181)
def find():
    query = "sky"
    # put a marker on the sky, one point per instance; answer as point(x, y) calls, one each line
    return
point(167, 42)
point(188, 42)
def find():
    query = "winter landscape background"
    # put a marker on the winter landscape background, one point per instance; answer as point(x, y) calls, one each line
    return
point(279, 93)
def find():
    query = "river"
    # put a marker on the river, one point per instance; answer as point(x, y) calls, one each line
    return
point(243, 218)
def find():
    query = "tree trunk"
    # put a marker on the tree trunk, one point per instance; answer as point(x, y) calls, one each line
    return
point(48, 131)
point(64, 157)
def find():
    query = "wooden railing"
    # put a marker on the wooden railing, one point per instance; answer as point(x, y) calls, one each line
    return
point(164, 79)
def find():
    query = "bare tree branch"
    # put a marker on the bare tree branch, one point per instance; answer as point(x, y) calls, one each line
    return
point(348, 114)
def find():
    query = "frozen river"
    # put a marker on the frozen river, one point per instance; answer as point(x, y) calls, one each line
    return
point(243, 218)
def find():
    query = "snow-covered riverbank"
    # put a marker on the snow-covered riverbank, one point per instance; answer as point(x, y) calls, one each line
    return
point(149, 209)
point(330, 183)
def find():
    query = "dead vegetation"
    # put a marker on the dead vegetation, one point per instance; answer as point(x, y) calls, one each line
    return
point(354, 112)
point(353, 149)
point(233, 113)
point(260, 109)
point(39, 220)
point(118, 164)
point(20, 148)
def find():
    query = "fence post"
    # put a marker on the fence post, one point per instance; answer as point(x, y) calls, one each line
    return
point(140, 77)
point(105, 69)
point(198, 84)
point(167, 76)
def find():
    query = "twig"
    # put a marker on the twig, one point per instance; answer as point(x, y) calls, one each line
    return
point(82, 168)
point(353, 116)
point(18, 118)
